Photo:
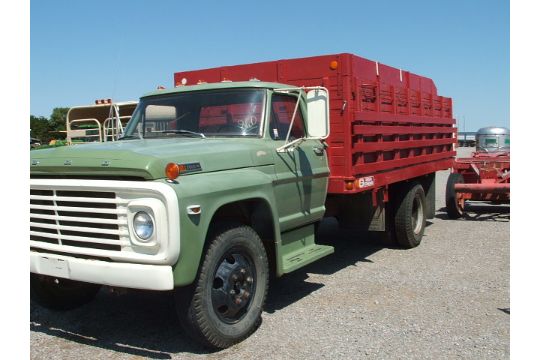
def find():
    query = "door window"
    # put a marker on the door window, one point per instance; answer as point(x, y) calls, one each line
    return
point(282, 112)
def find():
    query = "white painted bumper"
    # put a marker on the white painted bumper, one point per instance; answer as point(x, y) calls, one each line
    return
point(136, 276)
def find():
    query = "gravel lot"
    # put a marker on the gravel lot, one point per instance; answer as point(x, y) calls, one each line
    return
point(448, 298)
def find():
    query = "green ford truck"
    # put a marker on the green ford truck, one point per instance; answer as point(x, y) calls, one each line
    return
point(209, 213)
point(215, 186)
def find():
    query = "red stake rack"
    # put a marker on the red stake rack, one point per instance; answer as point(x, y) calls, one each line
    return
point(485, 176)
point(387, 125)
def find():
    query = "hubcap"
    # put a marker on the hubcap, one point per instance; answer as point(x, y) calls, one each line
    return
point(417, 215)
point(233, 287)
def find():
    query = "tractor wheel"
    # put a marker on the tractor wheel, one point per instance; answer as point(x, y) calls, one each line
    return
point(454, 205)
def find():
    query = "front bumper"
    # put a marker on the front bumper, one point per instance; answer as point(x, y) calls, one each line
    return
point(89, 222)
point(137, 276)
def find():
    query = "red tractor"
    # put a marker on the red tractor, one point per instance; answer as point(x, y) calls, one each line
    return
point(485, 176)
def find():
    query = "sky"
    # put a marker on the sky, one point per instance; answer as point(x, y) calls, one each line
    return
point(86, 50)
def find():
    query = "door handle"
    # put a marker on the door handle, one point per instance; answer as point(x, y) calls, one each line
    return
point(318, 150)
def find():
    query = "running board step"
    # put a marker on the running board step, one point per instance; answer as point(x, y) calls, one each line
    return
point(305, 256)
point(298, 249)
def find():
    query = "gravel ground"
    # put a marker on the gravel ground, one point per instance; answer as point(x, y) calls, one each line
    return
point(449, 298)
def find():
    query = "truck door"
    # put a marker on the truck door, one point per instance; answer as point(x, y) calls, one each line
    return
point(301, 172)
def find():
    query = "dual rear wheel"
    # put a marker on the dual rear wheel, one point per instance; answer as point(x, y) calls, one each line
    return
point(410, 216)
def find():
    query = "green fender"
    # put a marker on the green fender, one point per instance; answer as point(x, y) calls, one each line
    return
point(211, 191)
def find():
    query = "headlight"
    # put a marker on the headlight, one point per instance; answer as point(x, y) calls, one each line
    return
point(143, 225)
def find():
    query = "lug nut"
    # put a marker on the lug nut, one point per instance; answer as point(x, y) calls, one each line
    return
point(249, 279)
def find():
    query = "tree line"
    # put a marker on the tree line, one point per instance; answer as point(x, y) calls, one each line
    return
point(47, 129)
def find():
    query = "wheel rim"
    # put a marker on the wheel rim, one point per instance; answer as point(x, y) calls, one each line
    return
point(233, 286)
point(417, 215)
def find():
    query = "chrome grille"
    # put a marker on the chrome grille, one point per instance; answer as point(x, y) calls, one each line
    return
point(82, 219)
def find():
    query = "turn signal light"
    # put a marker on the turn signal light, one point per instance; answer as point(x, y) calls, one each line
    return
point(349, 185)
point(172, 171)
point(333, 64)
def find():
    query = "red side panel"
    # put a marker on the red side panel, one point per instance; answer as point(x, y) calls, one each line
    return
point(387, 125)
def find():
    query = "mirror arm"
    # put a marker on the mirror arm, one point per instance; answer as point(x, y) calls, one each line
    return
point(293, 144)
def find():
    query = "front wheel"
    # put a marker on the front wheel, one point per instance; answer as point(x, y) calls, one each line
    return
point(60, 294)
point(410, 218)
point(224, 305)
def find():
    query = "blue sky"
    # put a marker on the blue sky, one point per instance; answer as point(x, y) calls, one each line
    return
point(84, 50)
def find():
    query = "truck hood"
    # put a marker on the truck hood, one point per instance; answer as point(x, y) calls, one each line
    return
point(147, 158)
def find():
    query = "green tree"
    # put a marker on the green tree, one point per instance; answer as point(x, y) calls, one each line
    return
point(58, 121)
point(40, 128)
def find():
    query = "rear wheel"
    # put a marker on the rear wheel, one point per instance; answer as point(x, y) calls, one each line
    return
point(410, 217)
point(455, 205)
point(60, 294)
point(224, 305)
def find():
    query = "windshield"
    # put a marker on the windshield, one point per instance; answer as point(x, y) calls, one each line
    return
point(236, 112)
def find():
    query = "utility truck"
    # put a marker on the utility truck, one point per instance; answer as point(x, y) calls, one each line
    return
point(220, 182)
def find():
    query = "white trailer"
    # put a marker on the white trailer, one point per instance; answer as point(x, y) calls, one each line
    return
point(100, 122)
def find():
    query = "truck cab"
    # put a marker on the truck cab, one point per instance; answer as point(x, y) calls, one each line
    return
point(208, 190)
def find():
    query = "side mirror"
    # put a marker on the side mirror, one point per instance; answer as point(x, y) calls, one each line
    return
point(318, 108)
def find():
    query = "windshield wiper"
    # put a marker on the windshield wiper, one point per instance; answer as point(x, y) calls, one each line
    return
point(183, 132)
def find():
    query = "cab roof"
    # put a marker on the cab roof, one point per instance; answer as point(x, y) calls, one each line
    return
point(219, 85)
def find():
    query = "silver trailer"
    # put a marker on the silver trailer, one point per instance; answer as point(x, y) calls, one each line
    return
point(493, 139)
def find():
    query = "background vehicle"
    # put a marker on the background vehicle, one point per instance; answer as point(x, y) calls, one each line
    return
point(101, 122)
point(466, 139)
point(485, 176)
point(220, 182)
point(34, 143)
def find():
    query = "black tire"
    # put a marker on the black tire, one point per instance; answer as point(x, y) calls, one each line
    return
point(225, 303)
point(453, 209)
point(410, 217)
point(61, 294)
